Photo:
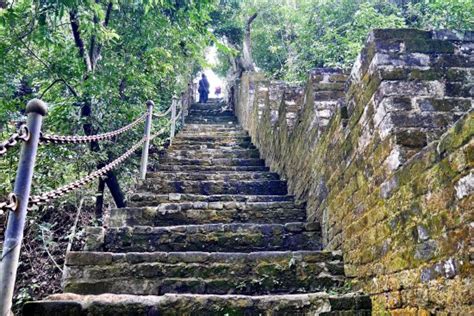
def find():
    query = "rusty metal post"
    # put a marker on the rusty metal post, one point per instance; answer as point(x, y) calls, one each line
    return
point(146, 146)
point(184, 108)
point(35, 109)
point(173, 119)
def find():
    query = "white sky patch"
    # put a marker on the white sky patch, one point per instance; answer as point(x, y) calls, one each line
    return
point(214, 80)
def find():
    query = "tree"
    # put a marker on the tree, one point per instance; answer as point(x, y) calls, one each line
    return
point(95, 62)
point(291, 37)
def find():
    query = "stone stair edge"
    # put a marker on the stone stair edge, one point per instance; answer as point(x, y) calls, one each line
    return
point(320, 301)
point(85, 258)
point(213, 227)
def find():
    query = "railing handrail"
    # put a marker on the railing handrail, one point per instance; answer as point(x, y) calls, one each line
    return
point(75, 139)
point(20, 200)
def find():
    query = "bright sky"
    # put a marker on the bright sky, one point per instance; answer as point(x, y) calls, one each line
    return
point(214, 80)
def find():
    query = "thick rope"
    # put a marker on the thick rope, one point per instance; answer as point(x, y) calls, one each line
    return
point(162, 114)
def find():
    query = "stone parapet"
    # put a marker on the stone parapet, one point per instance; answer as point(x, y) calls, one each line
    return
point(373, 155)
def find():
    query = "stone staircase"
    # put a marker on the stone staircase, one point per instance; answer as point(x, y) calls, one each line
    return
point(211, 231)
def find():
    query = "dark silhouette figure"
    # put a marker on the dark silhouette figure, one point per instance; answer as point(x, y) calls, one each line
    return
point(203, 89)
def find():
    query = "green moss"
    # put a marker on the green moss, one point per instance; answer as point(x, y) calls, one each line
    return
point(422, 45)
point(458, 135)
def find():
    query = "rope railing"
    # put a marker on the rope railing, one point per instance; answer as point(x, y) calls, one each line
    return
point(20, 200)
point(164, 113)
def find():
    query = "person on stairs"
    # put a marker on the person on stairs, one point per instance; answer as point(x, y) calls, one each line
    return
point(203, 89)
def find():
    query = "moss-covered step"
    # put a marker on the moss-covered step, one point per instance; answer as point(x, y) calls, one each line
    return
point(207, 153)
point(225, 143)
point(209, 112)
point(213, 162)
point(211, 139)
point(256, 187)
point(204, 107)
point(212, 127)
point(321, 304)
point(185, 133)
point(198, 168)
point(233, 237)
point(150, 199)
point(182, 213)
point(202, 272)
point(211, 120)
point(210, 145)
point(216, 175)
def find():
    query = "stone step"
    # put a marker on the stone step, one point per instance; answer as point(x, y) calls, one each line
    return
point(222, 141)
point(148, 199)
point(255, 187)
point(212, 139)
point(211, 120)
point(157, 273)
point(209, 112)
point(212, 106)
point(212, 127)
point(184, 213)
point(195, 168)
point(216, 175)
point(212, 162)
point(233, 237)
point(208, 145)
point(211, 153)
point(196, 133)
point(319, 303)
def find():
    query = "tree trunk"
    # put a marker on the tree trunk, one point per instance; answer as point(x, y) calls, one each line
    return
point(111, 181)
point(247, 61)
point(90, 61)
point(99, 199)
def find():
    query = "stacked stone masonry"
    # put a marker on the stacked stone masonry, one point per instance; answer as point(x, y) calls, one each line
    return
point(211, 231)
point(383, 156)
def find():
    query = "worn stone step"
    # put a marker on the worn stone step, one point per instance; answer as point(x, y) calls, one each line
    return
point(207, 145)
point(216, 175)
point(211, 153)
point(197, 168)
point(233, 237)
point(186, 134)
point(212, 106)
point(319, 303)
point(150, 199)
point(212, 138)
point(216, 143)
point(193, 112)
point(158, 273)
point(183, 213)
point(213, 161)
point(211, 120)
point(212, 127)
point(256, 187)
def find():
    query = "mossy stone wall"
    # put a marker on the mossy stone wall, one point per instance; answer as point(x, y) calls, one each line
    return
point(384, 158)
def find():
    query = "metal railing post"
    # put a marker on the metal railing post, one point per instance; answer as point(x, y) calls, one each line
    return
point(183, 108)
point(144, 162)
point(173, 119)
point(35, 109)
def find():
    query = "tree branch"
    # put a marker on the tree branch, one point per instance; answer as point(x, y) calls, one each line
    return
point(48, 67)
point(74, 93)
point(97, 47)
point(78, 39)
point(247, 61)
point(250, 20)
